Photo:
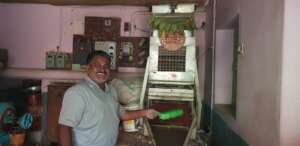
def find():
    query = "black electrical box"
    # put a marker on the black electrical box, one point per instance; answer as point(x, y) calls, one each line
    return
point(82, 46)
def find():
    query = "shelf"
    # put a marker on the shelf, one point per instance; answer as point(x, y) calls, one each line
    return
point(41, 74)
point(51, 74)
point(170, 98)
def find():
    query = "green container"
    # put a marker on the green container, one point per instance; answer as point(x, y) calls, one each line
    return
point(172, 114)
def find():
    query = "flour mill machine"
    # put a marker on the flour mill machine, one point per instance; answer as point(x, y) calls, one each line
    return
point(171, 77)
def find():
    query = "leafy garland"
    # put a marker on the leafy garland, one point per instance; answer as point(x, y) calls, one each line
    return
point(172, 24)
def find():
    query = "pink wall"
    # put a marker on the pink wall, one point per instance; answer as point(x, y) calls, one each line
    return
point(259, 76)
point(290, 101)
point(29, 30)
point(224, 59)
point(226, 10)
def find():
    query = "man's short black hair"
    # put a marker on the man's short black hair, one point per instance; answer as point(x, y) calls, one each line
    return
point(97, 53)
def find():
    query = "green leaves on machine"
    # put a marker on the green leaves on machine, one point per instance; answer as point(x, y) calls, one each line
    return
point(172, 24)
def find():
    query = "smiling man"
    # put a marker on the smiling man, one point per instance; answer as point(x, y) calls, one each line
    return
point(90, 113)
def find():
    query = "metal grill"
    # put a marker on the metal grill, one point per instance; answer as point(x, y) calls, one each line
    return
point(171, 60)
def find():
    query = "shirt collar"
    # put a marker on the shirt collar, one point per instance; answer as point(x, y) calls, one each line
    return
point(93, 84)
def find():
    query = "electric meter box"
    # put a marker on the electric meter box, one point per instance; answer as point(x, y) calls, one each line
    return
point(50, 60)
point(63, 60)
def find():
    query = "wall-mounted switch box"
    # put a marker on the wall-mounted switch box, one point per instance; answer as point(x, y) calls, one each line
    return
point(63, 60)
point(59, 60)
point(50, 60)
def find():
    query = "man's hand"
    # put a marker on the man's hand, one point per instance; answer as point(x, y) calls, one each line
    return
point(151, 113)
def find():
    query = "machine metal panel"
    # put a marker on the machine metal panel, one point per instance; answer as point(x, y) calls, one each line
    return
point(170, 98)
point(153, 57)
point(171, 92)
point(185, 8)
point(190, 51)
point(187, 77)
point(164, 85)
point(160, 9)
point(172, 60)
point(190, 44)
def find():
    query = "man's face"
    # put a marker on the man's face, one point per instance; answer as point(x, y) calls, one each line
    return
point(99, 69)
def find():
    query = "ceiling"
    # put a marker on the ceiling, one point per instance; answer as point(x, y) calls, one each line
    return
point(107, 2)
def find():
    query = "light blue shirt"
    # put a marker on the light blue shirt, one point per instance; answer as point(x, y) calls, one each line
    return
point(93, 113)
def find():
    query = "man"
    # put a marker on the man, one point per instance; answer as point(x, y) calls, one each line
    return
point(90, 113)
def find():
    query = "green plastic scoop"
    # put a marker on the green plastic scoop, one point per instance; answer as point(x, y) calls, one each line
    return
point(171, 114)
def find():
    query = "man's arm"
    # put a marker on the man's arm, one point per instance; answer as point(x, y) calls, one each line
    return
point(148, 113)
point(65, 135)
